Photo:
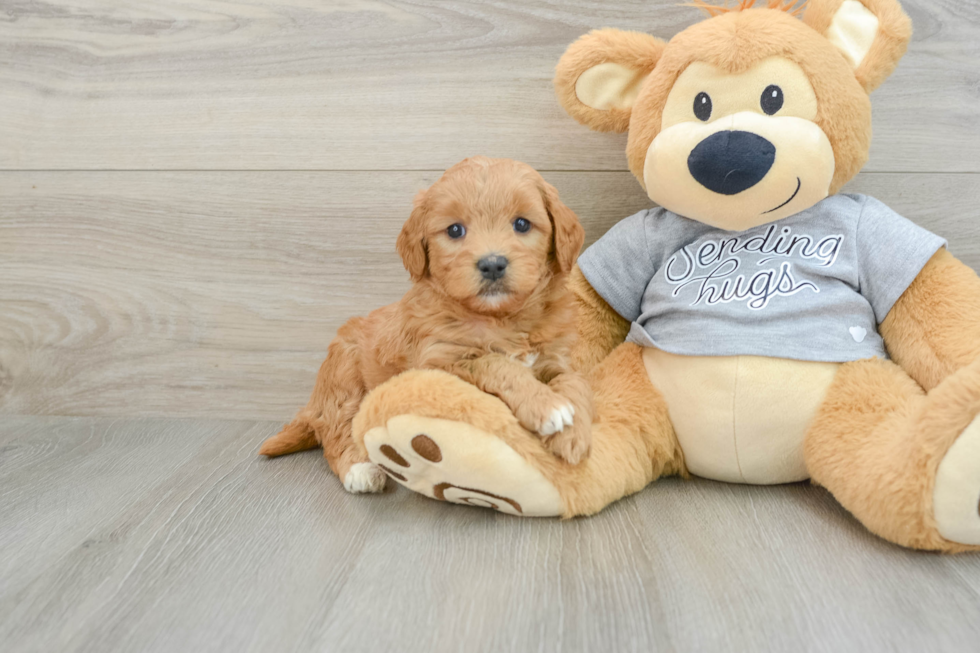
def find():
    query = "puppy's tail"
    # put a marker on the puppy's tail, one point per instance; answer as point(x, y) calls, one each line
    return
point(296, 436)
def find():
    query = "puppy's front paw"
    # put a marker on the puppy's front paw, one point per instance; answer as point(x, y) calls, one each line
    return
point(364, 478)
point(571, 444)
point(559, 418)
point(546, 414)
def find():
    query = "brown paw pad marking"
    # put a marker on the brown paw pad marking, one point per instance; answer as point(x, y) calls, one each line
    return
point(394, 456)
point(427, 448)
point(482, 499)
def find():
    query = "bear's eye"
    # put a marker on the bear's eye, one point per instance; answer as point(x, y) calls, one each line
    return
point(522, 225)
point(772, 99)
point(456, 231)
point(702, 106)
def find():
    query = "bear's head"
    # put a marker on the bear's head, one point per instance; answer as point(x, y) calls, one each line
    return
point(748, 116)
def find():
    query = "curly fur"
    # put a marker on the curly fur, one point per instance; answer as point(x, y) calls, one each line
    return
point(509, 344)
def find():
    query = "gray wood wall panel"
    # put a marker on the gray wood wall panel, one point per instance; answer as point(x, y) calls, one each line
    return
point(370, 84)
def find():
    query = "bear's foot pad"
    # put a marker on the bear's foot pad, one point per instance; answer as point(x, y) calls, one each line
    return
point(456, 462)
point(956, 497)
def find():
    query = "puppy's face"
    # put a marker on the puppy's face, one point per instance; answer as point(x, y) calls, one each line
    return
point(488, 243)
point(489, 233)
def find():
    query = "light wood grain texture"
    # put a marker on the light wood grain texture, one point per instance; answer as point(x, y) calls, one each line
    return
point(216, 294)
point(171, 535)
point(371, 84)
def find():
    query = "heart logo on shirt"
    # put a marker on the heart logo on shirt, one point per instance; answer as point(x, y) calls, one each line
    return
point(858, 333)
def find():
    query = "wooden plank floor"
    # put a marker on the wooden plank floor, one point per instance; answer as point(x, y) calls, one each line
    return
point(195, 194)
point(171, 535)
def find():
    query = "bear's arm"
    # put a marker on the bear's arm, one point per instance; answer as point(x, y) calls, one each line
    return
point(934, 327)
point(600, 328)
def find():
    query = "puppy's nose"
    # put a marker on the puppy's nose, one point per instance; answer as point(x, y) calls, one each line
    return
point(729, 162)
point(492, 267)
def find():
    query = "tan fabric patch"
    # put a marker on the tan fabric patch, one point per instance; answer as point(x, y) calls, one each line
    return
point(609, 86)
point(957, 488)
point(799, 178)
point(853, 31)
point(741, 419)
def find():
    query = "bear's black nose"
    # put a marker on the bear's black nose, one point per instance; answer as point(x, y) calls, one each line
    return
point(729, 162)
point(492, 267)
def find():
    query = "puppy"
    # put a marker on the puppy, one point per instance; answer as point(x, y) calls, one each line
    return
point(488, 247)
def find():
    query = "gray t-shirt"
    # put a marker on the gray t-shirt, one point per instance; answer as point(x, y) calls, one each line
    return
point(813, 286)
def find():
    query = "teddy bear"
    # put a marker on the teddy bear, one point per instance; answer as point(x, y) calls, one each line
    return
point(756, 326)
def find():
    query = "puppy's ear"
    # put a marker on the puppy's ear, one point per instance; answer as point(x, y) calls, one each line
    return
point(568, 233)
point(600, 75)
point(871, 34)
point(411, 240)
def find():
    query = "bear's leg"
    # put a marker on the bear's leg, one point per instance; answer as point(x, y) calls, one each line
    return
point(444, 438)
point(904, 462)
point(633, 440)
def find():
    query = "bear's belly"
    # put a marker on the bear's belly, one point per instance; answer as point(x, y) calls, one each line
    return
point(741, 419)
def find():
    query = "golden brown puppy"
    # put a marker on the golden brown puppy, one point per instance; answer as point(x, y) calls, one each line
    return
point(488, 247)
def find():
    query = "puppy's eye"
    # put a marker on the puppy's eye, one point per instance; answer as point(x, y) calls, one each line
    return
point(522, 225)
point(456, 231)
point(772, 99)
point(702, 106)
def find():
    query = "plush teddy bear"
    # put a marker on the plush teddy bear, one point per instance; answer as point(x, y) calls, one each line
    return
point(774, 329)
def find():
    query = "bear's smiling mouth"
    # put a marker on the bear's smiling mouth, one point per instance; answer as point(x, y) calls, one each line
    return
point(795, 192)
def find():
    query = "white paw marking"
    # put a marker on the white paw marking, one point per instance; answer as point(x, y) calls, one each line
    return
point(363, 478)
point(558, 420)
point(530, 359)
point(567, 414)
point(858, 333)
point(552, 424)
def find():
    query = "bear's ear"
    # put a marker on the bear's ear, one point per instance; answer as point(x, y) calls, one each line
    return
point(871, 34)
point(600, 75)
